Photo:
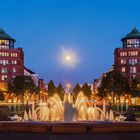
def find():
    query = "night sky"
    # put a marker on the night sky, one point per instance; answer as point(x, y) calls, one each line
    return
point(90, 28)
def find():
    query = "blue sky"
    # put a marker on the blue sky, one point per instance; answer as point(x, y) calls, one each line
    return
point(91, 28)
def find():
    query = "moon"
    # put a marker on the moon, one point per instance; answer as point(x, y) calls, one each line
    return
point(68, 57)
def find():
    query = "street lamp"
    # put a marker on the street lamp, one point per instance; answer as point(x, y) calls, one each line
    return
point(126, 104)
point(117, 105)
point(19, 105)
point(122, 105)
point(15, 106)
point(9, 102)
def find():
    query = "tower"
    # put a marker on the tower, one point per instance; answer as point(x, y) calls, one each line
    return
point(127, 58)
point(11, 59)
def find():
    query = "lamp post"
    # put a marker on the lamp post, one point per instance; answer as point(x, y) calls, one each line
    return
point(15, 106)
point(122, 105)
point(126, 104)
point(9, 102)
point(117, 105)
point(19, 106)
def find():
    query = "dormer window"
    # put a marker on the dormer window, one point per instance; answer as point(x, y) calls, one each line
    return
point(133, 43)
point(132, 39)
point(6, 41)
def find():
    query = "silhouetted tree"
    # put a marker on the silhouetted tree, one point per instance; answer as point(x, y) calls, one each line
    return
point(76, 90)
point(113, 84)
point(86, 90)
point(2, 98)
point(60, 91)
point(21, 84)
point(134, 88)
point(51, 88)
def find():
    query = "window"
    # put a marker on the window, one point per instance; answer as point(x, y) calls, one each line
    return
point(123, 69)
point(123, 53)
point(4, 44)
point(133, 53)
point(133, 76)
point(13, 77)
point(133, 61)
point(123, 61)
point(4, 54)
point(14, 70)
point(4, 70)
point(14, 62)
point(4, 62)
point(133, 43)
point(132, 69)
point(4, 77)
point(13, 54)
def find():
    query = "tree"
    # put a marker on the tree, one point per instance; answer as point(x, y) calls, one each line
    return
point(60, 91)
point(21, 84)
point(135, 89)
point(86, 90)
point(51, 88)
point(76, 90)
point(2, 98)
point(113, 84)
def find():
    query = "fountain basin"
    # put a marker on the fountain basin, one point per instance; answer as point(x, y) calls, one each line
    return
point(69, 128)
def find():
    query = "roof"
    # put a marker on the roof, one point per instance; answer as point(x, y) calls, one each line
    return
point(5, 36)
point(134, 34)
point(30, 71)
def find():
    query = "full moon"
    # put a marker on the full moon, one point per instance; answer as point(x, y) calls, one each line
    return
point(68, 57)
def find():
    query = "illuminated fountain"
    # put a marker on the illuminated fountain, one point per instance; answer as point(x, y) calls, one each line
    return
point(55, 110)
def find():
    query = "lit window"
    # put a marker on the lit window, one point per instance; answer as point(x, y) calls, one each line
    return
point(123, 61)
point(14, 70)
point(133, 53)
point(14, 62)
point(4, 62)
point(133, 61)
point(13, 54)
point(132, 69)
point(123, 53)
point(4, 70)
point(133, 76)
point(4, 77)
point(123, 69)
point(133, 43)
point(13, 77)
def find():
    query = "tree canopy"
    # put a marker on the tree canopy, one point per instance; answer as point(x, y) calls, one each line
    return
point(86, 90)
point(60, 91)
point(135, 88)
point(113, 83)
point(21, 84)
point(2, 98)
point(76, 90)
point(51, 88)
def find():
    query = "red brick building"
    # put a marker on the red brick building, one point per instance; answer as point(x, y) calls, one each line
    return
point(127, 58)
point(11, 59)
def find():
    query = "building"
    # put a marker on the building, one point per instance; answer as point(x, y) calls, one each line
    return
point(32, 74)
point(42, 85)
point(11, 59)
point(127, 58)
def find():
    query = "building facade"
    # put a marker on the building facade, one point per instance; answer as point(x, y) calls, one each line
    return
point(127, 58)
point(11, 59)
point(33, 75)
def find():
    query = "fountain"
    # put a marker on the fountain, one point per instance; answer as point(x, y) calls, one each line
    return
point(55, 110)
